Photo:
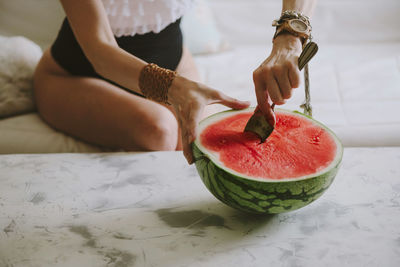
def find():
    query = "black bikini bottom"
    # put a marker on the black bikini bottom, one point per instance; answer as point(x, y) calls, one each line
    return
point(163, 48)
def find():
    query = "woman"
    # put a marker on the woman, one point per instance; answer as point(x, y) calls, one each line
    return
point(91, 82)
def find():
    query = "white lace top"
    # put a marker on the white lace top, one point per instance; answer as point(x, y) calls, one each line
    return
point(128, 17)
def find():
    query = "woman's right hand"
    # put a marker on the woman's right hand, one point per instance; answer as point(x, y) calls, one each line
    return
point(188, 99)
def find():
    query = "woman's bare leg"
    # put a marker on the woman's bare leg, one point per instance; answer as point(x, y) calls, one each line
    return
point(187, 67)
point(100, 113)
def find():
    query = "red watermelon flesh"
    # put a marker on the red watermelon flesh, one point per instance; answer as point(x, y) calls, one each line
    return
point(297, 147)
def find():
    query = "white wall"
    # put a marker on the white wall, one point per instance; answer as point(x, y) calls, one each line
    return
point(334, 21)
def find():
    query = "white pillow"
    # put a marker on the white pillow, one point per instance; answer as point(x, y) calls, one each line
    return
point(18, 59)
point(200, 31)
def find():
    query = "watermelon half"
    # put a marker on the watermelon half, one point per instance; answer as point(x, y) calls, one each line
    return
point(295, 165)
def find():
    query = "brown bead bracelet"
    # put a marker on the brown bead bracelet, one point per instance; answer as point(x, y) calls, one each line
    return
point(155, 81)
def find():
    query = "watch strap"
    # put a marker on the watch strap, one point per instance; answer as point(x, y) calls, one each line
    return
point(284, 28)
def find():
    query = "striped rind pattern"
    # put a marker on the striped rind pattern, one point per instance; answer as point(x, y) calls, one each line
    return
point(263, 197)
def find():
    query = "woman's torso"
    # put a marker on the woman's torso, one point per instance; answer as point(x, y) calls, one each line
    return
point(147, 29)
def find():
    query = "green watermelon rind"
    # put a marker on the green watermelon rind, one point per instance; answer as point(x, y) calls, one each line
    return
point(263, 196)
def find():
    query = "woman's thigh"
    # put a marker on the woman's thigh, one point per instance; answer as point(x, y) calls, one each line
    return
point(98, 112)
point(187, 67)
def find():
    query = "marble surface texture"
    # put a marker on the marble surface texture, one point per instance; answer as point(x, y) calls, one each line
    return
point(151, 209)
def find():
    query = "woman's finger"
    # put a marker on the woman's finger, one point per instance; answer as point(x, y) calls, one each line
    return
point(228, 101)
point(284, 85)
point(263, 100)
point(273, 89)
point(189, 121)
point(294, 76)
point(187, 152)
point(194, 116)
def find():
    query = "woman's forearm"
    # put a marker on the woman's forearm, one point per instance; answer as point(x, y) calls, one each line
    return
point(305, 7)
point(91, 28)
point(117, 65)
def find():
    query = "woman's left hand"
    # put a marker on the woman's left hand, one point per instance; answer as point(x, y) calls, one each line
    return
point(276, 77)
point(188, 98)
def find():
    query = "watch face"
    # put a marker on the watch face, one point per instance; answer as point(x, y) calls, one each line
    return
point(298, 25)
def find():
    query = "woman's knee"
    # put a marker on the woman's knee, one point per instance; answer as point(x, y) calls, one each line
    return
point(165, 135)
point(158, 132)
point(155, 128)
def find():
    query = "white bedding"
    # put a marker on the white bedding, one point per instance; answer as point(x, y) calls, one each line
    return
point(30, 134)
point(357, 97)
point(355, 77)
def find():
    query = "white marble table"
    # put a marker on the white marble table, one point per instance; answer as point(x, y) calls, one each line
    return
point(151, 209)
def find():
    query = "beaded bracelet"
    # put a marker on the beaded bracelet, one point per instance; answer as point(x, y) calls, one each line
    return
point(291, 14)
point(155, 81)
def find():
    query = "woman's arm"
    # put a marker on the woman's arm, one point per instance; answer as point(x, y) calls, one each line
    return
point(276, 77)
point(305, 7)
point(91, 27)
